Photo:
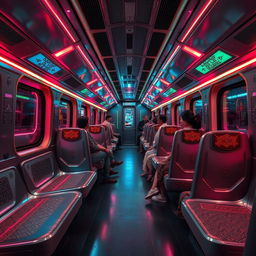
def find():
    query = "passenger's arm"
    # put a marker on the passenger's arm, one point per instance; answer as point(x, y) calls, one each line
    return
point(101, 148)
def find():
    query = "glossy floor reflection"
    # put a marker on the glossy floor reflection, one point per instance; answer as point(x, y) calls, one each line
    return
point(115, 220)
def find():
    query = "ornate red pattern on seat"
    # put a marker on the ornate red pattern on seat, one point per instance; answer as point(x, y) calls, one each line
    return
point(171, 130)
point(95, 129)
point(71, 134)
point(226, 141)
point(191, 136)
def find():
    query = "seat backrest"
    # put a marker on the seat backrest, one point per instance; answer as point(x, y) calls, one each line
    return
point(38, 170)
point(184, 151)
point(73, 151)
point(165, 139)
point(153, 130)
point(98, 132)
point(222, 169)
point(12, 189)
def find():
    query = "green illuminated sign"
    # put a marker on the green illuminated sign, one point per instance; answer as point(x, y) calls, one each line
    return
point(168, 92)
point(213, 61)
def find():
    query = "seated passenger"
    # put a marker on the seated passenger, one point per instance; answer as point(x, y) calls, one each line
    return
point(141, 126)
point(147, 166)
point(157, 191)
point(114, 135)
point(98, 153)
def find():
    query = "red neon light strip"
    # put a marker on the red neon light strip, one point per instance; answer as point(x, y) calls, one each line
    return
point(196, 20)
point(164, 81)
point(59, 20)
point(172, 55)
point(64, 51)
point(92, 67)
point(98, 88)
point(191, 51)
point(46, 82)
point(92, 82)
point(211, 81)
point(84, 56)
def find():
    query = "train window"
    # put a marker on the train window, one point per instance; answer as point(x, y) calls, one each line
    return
point(233, 108)
point(177, 114)
point(93, 116)
point(29, 116)
point(196, 105)
point(65, 114)
point(83, 111)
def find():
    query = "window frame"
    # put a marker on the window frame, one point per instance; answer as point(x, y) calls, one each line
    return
point(41, 95)
point(219, 104)
point(69, 102)
point(176, 119)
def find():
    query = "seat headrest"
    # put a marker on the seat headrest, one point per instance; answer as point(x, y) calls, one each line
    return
point(71, 134)
point(191, 136)
point(171, 130)
point(226, 141)
point(95, 129)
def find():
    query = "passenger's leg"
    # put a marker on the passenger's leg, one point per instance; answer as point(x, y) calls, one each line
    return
point(147, 155)
point(153, 190)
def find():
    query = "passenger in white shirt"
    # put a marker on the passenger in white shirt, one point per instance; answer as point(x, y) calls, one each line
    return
point(114, 136)
point(157, 191)
point(147, 166)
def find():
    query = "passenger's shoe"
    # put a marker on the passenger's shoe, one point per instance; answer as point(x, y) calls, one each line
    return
point(159, 199)
point(152, 192)
point(111, 172)
point(116, 163)
point(109, 181)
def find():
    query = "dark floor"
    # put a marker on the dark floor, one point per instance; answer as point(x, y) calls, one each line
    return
point(116, 220)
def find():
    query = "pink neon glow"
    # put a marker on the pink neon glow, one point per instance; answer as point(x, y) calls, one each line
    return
point(164, 81)
point(15, 225)
point(8, 95)
point(92, 82)
point(196, 20)
point(254, 94)
point(84, 56)
point(64, 51)
point(51, 8)
point(191, 51)
point(99, 89)
point(46, 82)
point(113, 199)
point(36, 121)
point(172, 56)
point(103, 232)
point(168, 250)
point(211, 81)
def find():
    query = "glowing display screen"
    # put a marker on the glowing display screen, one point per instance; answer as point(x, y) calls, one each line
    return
point(129, 117)
point(168, 92)
point(213, 61)
point(88, 93)
point(129, 104)
point(44, 63)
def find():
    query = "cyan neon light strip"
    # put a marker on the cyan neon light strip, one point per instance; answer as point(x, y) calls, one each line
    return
point(237, 96)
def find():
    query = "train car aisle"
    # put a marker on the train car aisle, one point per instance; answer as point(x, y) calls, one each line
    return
point(116, 220)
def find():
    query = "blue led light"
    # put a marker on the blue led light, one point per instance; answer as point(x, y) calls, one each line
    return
point(237, 96)
point(44, 63)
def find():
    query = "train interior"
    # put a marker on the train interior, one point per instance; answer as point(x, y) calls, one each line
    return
point(139, 75)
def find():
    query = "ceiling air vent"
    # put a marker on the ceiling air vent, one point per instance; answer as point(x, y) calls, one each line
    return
point(143, 11)
point(103, 44)
point(183, 82)
point(72, 82)
point(109, 64)
point(8, 35)
point(248, 35)
point(155, 43)
point(166, 13)
point(92, 13)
